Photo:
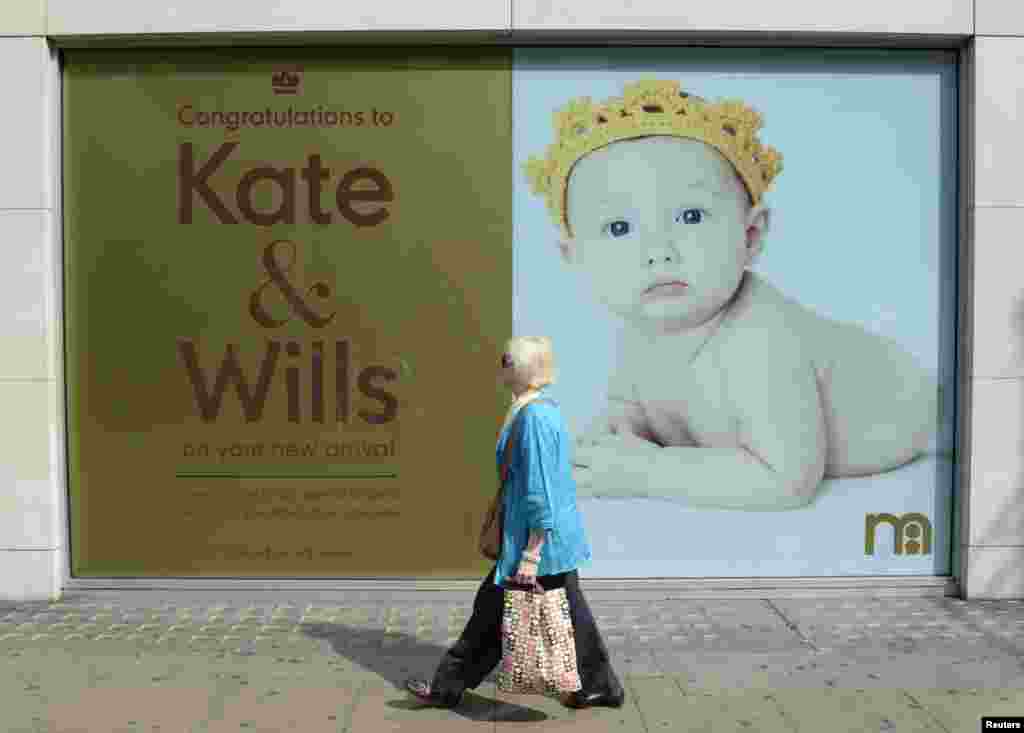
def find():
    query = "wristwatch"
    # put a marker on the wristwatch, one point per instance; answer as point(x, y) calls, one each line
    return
point(535, 559)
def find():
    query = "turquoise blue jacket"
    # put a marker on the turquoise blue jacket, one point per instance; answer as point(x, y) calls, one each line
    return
point(540, 493)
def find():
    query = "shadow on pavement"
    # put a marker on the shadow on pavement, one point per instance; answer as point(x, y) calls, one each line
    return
point(396, 656)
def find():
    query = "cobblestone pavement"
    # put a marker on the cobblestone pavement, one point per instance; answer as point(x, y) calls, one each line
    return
point(143, 662)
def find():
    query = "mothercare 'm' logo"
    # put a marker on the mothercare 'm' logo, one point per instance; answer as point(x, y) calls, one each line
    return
point(286, 82)
point(912, 533)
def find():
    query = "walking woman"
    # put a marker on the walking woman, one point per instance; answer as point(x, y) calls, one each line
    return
point(543, 539)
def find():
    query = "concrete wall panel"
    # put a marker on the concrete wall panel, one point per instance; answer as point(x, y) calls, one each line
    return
point(75, 17)
point(827, 16)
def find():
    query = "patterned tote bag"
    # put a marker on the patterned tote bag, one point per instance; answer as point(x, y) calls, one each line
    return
point(538, 647)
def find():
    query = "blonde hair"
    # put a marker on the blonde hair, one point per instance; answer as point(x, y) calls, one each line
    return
point(533, 360)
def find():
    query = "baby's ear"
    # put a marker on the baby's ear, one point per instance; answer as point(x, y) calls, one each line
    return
point(567, 249)
point(758, 221)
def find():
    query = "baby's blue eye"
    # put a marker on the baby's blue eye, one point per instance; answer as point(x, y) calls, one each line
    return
point(617, 228)
point(690, 216)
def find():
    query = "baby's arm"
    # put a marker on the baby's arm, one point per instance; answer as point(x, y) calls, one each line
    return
point(618, 417)
point(621, 414)
point(779, 463)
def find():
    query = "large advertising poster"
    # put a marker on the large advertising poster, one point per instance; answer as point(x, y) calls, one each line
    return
point(288, 276)
point(746, 263)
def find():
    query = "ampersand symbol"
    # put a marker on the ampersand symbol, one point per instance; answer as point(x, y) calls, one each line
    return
point(278, 277)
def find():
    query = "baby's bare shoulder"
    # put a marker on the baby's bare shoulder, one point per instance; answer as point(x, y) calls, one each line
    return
point(763, 321)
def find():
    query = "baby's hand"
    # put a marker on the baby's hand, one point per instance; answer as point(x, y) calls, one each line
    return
point(603, 424)
point(611, 422)
point(620, 444)
point(597, 429)
point(589, 485)
point(612, 466)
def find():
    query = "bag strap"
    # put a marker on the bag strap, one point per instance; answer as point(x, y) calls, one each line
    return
point(506, 458)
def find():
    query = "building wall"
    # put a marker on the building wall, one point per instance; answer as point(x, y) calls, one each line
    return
point(32, 524)
point(31, 483)
point(994, 531)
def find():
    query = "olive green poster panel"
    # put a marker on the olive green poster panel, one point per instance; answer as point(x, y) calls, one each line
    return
point(288, 281)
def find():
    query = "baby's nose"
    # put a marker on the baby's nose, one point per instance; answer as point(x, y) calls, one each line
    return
point(666, 255)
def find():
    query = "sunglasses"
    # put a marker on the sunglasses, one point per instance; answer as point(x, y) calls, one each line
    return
point(506, 361)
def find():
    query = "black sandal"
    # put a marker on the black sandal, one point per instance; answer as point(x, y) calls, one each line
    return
point(581, 699)
point(420, 689)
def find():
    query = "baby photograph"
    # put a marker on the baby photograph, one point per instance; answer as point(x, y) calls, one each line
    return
point(746, 264)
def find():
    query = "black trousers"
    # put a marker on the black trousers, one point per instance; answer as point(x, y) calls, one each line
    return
point(478, 651)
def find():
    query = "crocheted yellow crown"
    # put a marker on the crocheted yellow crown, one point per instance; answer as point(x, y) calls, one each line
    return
point(651, 107)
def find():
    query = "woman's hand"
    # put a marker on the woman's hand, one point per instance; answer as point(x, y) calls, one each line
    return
point(526, 574)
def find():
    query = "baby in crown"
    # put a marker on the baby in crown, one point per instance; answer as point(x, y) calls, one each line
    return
point(727, 393)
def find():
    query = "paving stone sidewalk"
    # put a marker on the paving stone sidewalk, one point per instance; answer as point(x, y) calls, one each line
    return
point(136, 661)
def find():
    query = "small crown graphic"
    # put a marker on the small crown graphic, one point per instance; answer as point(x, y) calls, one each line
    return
point(651, 107)
point(285, 82)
